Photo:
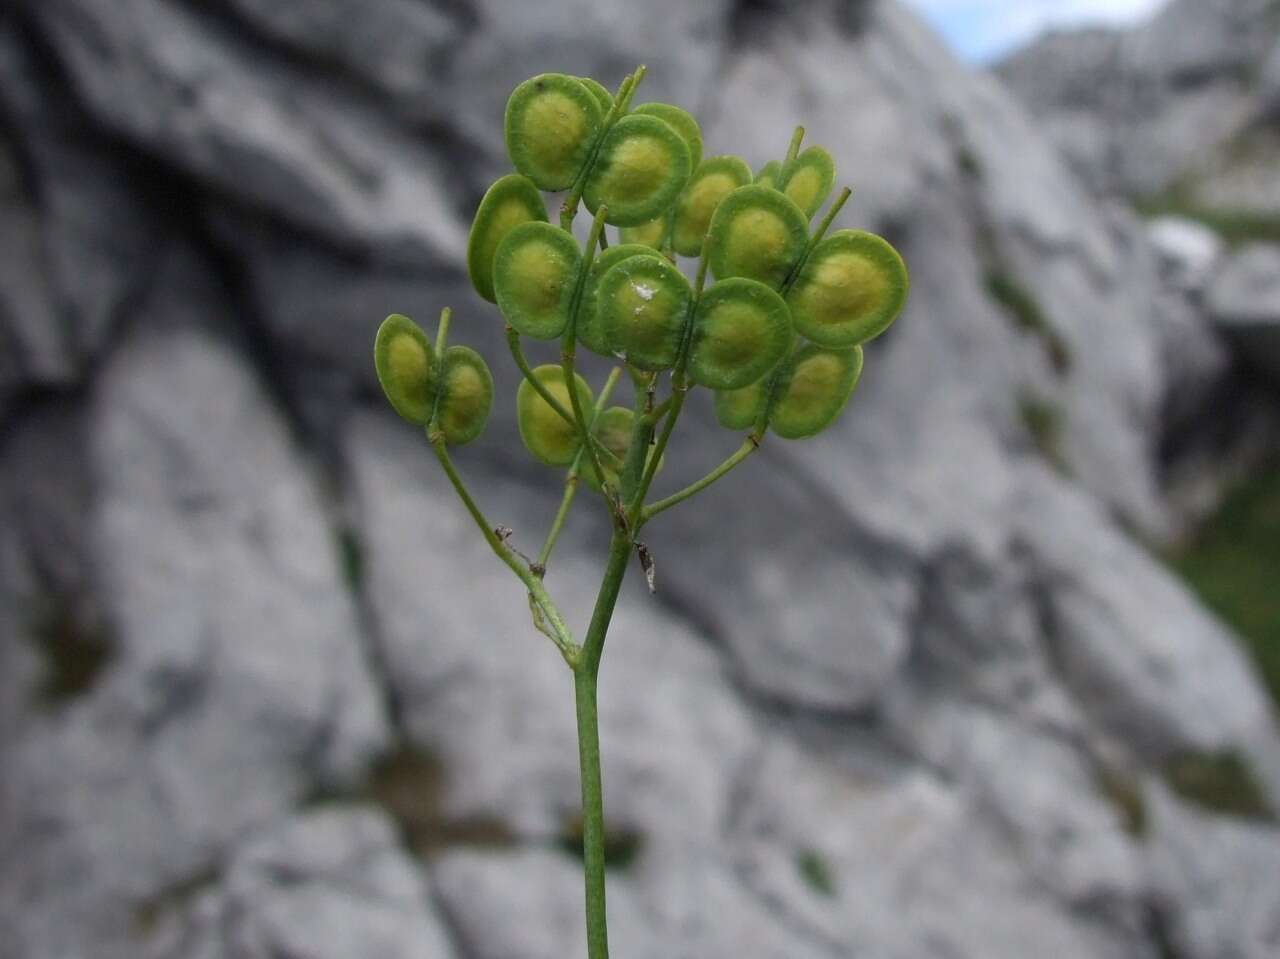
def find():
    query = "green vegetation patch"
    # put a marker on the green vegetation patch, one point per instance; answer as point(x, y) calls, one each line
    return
point(1234, 565)
point(1026, 315)
point(816, 872)
point(1123, 790)
point(1235, 227)
point(1045, 421)
point(1222, 782)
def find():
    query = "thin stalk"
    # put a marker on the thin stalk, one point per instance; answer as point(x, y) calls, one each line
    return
point(517, 354)
point(621, 100)
point(562, 638)
point(793, 149)
point(749, 446)
point(569, 341)
point(442, 331)
point(585, 674)
point(571, 480)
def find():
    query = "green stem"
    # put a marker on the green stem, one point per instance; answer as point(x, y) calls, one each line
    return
point(749, 446)
point(584, 686)
point(562, 638)
point(571, 480)
point(621, 100)
point(793, 149)
point(585, 674)
point(569, 341)
point(442, 331)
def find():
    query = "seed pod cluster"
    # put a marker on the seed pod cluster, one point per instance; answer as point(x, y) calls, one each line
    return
point(449, 394)
point(774, 326)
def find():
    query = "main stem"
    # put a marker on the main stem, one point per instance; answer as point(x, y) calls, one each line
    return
point(584, 685)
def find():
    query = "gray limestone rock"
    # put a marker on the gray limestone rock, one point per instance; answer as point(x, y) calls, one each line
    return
point(237, 682)
point(1243, 300)
point(330, 884)
point(1213, 881)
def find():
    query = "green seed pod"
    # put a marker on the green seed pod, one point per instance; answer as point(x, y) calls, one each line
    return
point(551, 123)
point(850, 289)
point(808, 179)
point(816, 383)
point(613, 429)
point(643, 304)
point(712, 181)
point(649, 234)
point(768, 174)
point(740, 331)
point(640, 169)
point(466, 393)
point(739, 409)
point(590, 330)
point(600, 92)
point(512, 200)
point(758, 233)
point(545, 432)
point(534, 276)
point(682, 122)
point(405, 362)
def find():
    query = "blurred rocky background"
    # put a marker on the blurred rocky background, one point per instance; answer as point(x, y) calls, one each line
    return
point(980, 673)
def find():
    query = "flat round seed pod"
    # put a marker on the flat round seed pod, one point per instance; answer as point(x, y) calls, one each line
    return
point(758, 233)
point(600, 92)
point(534, 275)
point(649, 234)
point(405, 362)
point(768, 174)
point(682, 122)
point(739, 409)
point(643, 304)
point(816, 383)
point(850, 289)
point(712, 181)
point(741, 330)
point(640, 169)
point(512, 200)
point(590, 330)
point(545, 432)
point(466, 393)
point(550, 126)
point(808, 179)
point(613, 429)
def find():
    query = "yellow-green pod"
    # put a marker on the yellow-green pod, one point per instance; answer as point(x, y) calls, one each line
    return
point(815, 385)
point(767, 175)
point(613, 429)
point(808, 179)
point(600, 92)
point(758, 233)
point(545, 432)
point(851, 287)
point(649, 234)
point(406, 367)
point(682, 122)
point(466, 393)
point(643, 304)
point(739, 409)
point(512, 200)
point(534, 276)
point(712, 181)
point(590, 330)
point(640, 169)
point(551, 124)
point(741, 329)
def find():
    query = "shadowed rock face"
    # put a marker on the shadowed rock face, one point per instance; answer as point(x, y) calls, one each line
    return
point(888, 675)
